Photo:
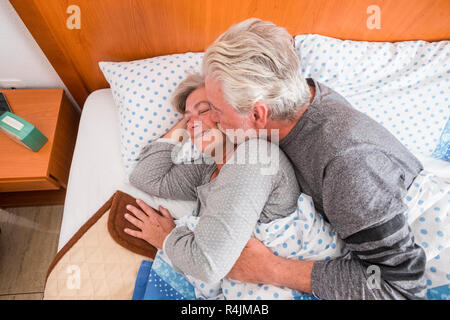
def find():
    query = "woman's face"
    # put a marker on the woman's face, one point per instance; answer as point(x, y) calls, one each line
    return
point(202, 130)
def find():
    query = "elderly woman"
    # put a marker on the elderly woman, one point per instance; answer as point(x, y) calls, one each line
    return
point(222, 189)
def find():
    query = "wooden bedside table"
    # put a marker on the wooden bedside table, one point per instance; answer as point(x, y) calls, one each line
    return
point(38, 178)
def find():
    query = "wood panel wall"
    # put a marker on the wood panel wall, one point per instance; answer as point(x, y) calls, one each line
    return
point(123, 30)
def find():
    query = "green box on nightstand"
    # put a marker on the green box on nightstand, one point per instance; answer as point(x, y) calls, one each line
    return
point(22, 131)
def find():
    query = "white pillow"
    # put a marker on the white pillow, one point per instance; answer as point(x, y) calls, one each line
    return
point(142, 91)
point(404, 85)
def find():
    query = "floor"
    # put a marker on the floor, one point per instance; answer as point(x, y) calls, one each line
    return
point(28, 242)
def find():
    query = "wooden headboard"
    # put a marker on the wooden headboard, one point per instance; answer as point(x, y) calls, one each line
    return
point(123, 30)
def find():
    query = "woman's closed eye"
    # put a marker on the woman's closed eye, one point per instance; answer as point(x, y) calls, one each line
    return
point(203, 107)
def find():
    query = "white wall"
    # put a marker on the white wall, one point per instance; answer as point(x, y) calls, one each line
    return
point(20, 56)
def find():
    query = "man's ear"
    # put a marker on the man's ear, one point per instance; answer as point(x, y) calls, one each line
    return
point(260, 114)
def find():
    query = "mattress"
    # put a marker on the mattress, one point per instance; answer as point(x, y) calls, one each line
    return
point(97, 170)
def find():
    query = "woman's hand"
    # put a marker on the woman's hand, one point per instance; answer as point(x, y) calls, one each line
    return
point(154, 227)
point(178, 132)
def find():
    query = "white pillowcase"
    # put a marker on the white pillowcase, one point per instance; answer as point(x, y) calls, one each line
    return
point(404, 86)
point(142, 91)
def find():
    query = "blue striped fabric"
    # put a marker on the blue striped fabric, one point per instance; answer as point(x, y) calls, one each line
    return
point(158, 281)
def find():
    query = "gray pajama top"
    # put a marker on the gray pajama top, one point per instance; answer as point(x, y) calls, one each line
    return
point(257, 184)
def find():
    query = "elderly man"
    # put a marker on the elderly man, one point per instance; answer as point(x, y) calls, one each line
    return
point(356, 172)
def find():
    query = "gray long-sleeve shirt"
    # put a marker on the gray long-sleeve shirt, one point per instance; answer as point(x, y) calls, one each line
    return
point(358, 175)
point(257, 184)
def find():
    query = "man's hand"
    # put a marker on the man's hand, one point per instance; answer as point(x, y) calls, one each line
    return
point(154, 227)
point(257, 264)
point(253, 264)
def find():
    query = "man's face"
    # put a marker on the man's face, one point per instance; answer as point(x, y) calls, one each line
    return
point(223, 113)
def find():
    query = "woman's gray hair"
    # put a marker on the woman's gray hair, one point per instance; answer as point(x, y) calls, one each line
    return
point(256, 61)
point(192, 82)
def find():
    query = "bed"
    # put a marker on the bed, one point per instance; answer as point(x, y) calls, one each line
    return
point(97, 160)
point(147, 29)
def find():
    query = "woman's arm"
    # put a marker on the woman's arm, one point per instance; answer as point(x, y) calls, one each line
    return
point(158, 175)
point(178, 132)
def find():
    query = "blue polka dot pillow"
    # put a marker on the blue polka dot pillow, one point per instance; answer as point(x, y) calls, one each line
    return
point(142, 91)
point(405, 86)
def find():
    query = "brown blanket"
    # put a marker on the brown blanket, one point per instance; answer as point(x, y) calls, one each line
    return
point(100, 261)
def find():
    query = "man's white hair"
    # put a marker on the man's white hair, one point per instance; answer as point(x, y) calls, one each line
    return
point(256, 61)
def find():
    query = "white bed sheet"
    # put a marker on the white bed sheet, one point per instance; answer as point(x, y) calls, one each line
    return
point(97, 169)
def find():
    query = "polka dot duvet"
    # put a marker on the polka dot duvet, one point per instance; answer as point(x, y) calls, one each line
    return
point(304, 234)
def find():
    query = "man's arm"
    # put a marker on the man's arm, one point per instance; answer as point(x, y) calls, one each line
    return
point(363, 199)
point(271, 269)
